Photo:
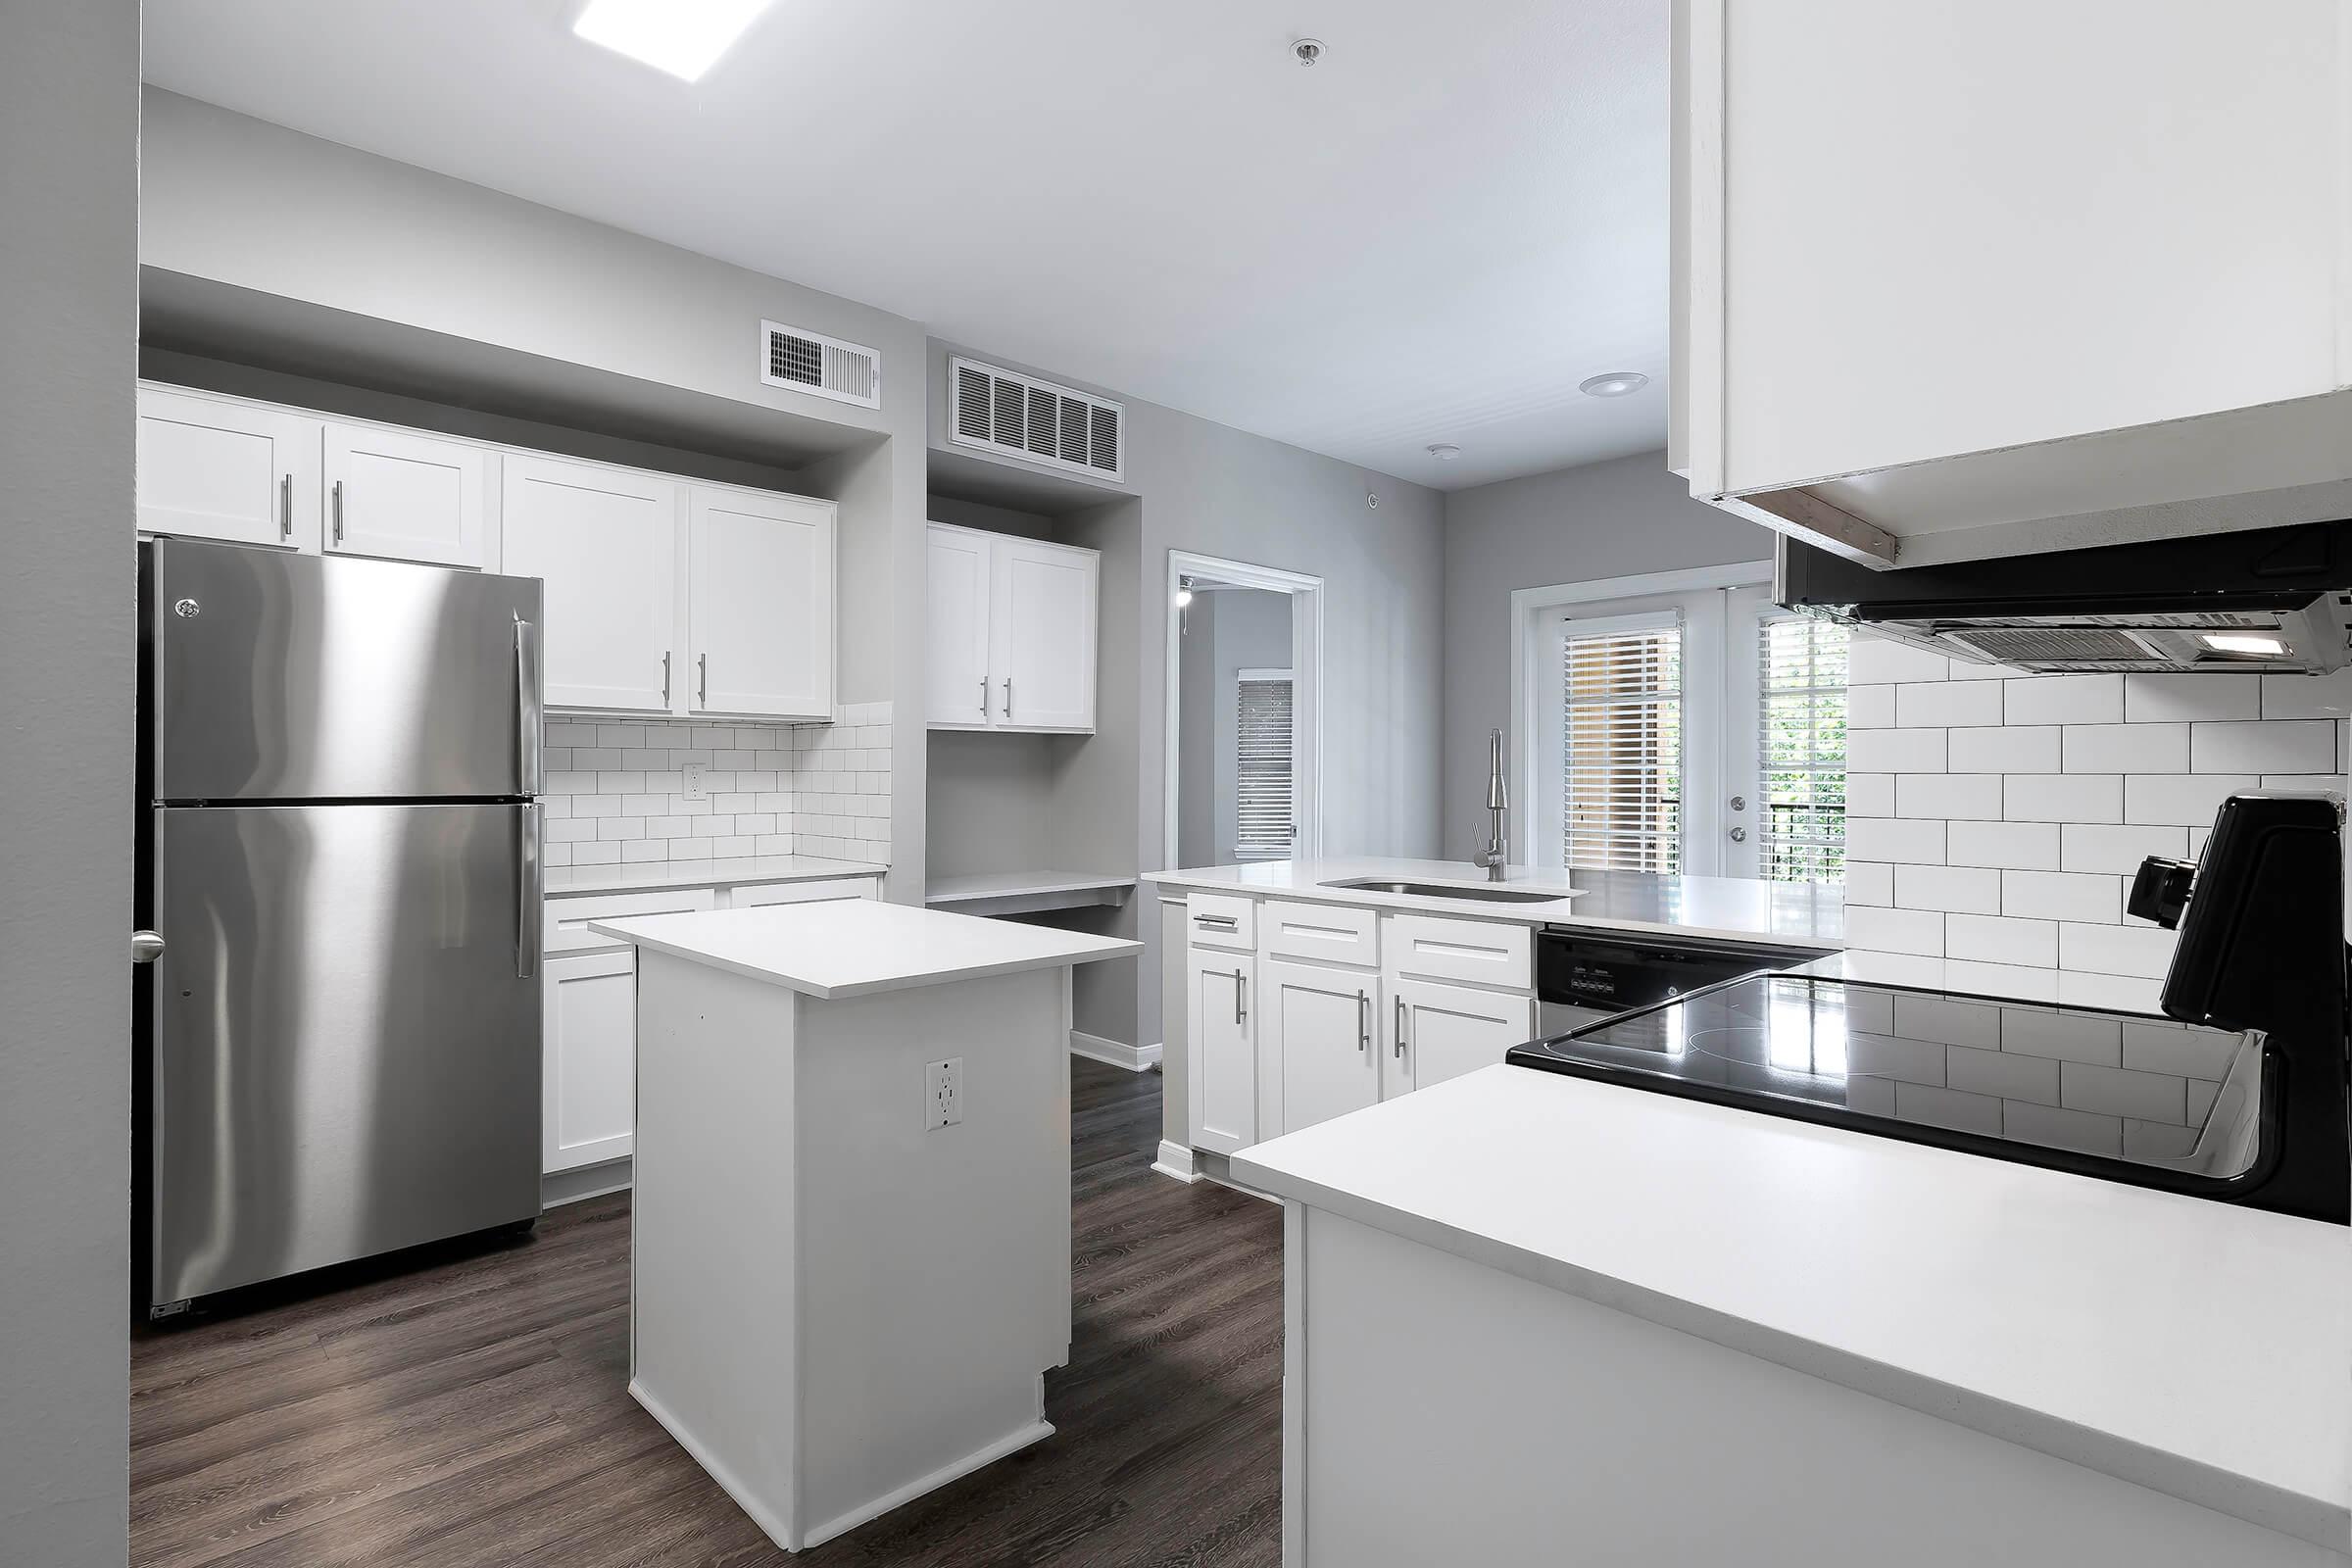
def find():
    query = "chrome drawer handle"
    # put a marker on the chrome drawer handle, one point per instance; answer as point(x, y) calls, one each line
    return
point(1219, 922)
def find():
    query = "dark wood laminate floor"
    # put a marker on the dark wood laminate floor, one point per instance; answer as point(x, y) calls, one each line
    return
point(471, 1411)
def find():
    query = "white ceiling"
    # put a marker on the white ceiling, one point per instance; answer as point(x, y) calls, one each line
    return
point(1431, 236)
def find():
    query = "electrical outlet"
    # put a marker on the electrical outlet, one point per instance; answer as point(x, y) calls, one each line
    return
point(697, 782)
point(943, 1093)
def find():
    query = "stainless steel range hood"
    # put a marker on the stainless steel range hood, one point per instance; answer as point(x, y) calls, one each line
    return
point(2270, 601)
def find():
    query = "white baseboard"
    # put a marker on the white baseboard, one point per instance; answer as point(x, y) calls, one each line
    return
point(778, 1529)
point(1094, 1048)
point(1175, 1159)
point(562, 1186)
point(1012, 1443)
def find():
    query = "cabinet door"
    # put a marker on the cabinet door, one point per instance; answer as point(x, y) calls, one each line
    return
point(604, 542)
point(957, 690)
point(589, 1094)
point(1318, 1052)
point(1042, 635)
point(760, 606)
point(1220, 1039)
point(226, 471)
point(1438, 1032)
point(406, 497)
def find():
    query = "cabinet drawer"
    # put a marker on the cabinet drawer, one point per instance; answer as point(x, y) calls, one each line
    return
point(1481, 953)
point(1323, 933)
point(1222, 920)
point(566, 918)
point(760, 894)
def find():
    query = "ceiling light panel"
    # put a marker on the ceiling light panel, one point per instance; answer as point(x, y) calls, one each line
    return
point(683, 37)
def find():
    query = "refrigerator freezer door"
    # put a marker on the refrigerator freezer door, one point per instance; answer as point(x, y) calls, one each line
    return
point(278, 676)
point(345, 1036)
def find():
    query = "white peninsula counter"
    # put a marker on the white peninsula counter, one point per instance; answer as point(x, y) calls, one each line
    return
point(1533, 1320)
point(849, 1278)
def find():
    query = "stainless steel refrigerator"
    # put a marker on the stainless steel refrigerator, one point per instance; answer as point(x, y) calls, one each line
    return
point(337, 1046)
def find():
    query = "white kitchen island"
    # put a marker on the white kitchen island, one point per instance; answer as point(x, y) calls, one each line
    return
point(1533, 1320)
point(844, 1293)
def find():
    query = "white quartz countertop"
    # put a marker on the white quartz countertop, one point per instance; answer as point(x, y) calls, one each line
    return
point(1732, 908)
point(733, 872)
point(2199, 1349)
point(856, 946)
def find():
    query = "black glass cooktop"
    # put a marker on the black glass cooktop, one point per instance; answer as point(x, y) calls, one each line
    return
point(2133, 1099)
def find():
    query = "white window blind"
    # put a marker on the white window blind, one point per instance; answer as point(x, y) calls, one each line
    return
point(1800, 754)
point(1621, 769)
point(1263, 765)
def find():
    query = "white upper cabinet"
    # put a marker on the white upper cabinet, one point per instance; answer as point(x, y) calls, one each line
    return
point(604, 542)
point(761, 603)
point(1042, 635)
point(959, 692)
point(234, 471)
point(1971, 278)
point(406, 496)
point(1012, 633)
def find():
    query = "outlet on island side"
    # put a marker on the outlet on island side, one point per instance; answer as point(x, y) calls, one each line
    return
point(943, 1093)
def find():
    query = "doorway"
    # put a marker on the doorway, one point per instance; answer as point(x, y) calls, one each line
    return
point(1243, 737)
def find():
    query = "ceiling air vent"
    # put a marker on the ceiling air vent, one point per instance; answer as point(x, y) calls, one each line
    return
point(811, 362)
point(1022, 417)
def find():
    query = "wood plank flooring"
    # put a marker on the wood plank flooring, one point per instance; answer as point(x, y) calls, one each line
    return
point(468, 1409)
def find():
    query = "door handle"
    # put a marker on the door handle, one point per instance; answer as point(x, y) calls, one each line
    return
point(1364, 1022)
point(529, 735)
point(1399, 1028)
point(1240, 1012)
point(145, 946)
point(285, 506)
point(338, 511)
point(527, 892)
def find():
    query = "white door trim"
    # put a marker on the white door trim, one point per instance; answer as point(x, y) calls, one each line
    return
point(1307, 690)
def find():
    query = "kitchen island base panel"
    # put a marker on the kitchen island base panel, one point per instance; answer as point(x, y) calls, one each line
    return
point(1575, 1432)
point(838, 1307)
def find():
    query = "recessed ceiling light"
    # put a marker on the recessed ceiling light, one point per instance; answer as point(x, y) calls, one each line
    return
point(684, 37)
point(1445, 452)
point(1612, 383)
point(2243, 643)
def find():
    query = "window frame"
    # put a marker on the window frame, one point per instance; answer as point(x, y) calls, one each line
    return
point(1288, 848)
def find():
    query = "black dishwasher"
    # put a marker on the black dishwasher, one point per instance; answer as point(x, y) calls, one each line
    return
point(1583, 977)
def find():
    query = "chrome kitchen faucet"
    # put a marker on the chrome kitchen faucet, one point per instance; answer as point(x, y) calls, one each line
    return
point(1499, 804)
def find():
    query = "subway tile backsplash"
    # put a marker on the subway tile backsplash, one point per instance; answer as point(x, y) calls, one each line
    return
point(1996, 817)
point(617, 789)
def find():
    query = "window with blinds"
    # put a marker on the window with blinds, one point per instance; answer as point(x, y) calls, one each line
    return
point(1801, 758)
point(1621, 773)
point(1262, 765)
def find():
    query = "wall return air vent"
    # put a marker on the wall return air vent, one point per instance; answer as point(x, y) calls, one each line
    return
point(1022, 417)
point(811, 362)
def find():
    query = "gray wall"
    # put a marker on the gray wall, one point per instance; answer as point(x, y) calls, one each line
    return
point(1603, 519)
point(1253, 633)
point(69, 320)
point(231, 200)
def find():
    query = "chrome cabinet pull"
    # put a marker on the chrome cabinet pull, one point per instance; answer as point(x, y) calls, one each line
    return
point(984, 697)
point(285, 507)
point(1009, 697)
point(1399, 1028)
point(1218, 922)
point(666, 679)
point(1364, 1022)
point(702, 680)
point(338, 511)
point(1240, 1012)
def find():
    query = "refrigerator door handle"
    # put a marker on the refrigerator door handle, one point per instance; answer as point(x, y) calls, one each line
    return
point(530, 736)
point(528, 893)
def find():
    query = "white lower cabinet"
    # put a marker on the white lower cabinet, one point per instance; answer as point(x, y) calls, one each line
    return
point(1220, 1048)
point(1438, 1031)
point(1318, 1044)
point(588, 1105)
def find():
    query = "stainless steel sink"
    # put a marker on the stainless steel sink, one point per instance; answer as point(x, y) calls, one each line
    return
point(1442, 889)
